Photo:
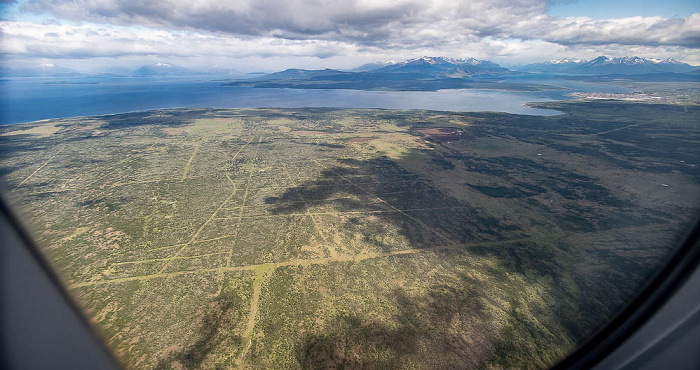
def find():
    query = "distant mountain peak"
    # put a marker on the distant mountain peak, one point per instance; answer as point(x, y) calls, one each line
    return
point(567, 61)
point(443, 60)
point(46, 69)
point(374, 65)
point(630, 60)
point(470, 60)
point(599, 60)
point(667, 61)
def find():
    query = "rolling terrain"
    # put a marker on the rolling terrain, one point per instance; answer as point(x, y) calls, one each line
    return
point(328, 238)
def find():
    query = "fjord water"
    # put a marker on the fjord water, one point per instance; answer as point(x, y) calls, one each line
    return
point(31, 99)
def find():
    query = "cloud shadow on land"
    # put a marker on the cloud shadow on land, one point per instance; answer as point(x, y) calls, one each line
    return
point(529, 284)
point(214, 321)
point(446, 325)
point(424, 215)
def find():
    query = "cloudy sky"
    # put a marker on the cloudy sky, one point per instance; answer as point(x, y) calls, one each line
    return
point(265, 35)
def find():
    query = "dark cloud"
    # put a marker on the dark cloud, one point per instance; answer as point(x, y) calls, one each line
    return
point(247, 17)
point(357, 20)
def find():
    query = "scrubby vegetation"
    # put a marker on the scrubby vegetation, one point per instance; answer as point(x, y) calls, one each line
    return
point(320, 238)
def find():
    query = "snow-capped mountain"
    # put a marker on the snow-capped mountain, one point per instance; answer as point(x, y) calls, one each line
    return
point(374, 65)
point(606, 65)
point(470, 61)
point(567, 61)
point(443, 67)
point(419, 74)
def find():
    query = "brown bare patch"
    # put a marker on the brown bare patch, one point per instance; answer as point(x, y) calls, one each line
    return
point(140, 360)
point(43, 130)
point(360, 139)
point(443, 133)
point(109, 308)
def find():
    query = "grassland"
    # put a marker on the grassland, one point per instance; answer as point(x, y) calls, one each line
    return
point(318, 238)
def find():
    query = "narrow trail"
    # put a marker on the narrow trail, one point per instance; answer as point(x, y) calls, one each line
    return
point(245, 198)
point(261, 273)
point(189, 162)
point(234, 236)
point(213, 215)
point(196, 234)
point(619, 128)
point(37, 170)
point(233, 159)
point(166, 247)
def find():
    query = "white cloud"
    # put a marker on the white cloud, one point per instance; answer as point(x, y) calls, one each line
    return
point(335, 33)
point(625, 31)
point(91, 40)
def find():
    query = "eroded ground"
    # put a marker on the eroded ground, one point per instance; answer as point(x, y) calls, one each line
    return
point(319, 238)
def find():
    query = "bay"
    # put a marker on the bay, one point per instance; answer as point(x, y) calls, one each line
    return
point(31, 99)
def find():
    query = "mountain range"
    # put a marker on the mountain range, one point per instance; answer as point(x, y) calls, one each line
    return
point(443, 67)
point(41, 70)
point(606, 66)
point(425, 73)
point(434, 73)
point(419, 74)
point(425, 67)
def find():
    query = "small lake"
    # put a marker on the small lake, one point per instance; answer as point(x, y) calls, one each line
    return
point(31, 99)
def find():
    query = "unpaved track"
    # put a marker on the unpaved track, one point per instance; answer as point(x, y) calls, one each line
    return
point(262, 272)
point(189, 162)
point(37, 170)
point(245, 198)
point(304, 262)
